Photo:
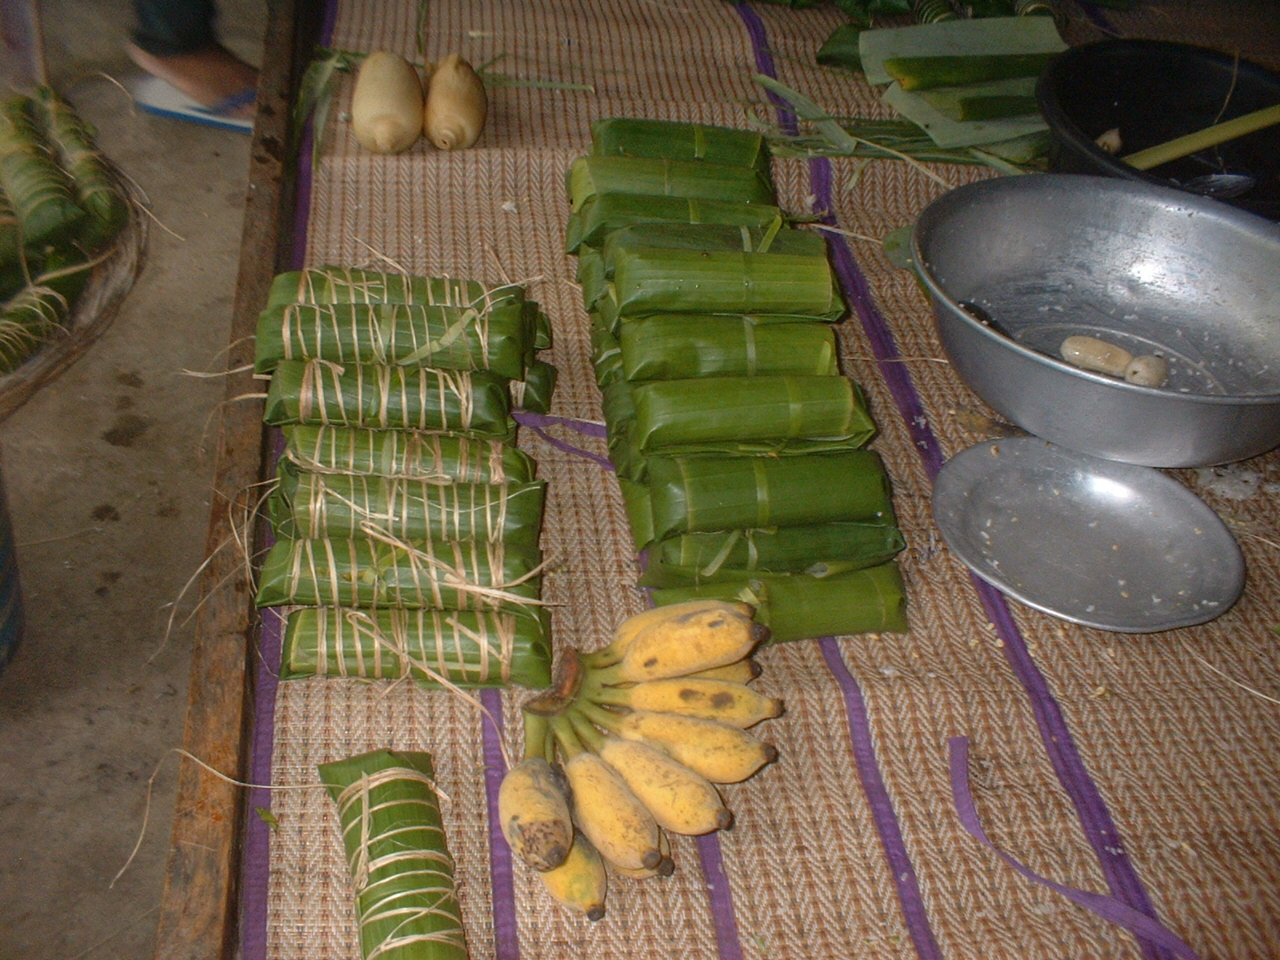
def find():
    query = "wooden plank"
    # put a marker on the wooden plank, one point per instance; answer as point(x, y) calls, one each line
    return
point(198, 912)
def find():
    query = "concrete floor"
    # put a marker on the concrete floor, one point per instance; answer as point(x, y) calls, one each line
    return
point(108, 491)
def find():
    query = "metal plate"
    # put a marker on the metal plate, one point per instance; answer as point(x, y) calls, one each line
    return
point(1097, 542)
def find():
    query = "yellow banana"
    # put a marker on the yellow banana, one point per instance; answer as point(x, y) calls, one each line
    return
point(732, 703)
point(534, 813)
point(664, 869)
point(580, 881)
point(630, 628)
point(740, 671)
point(687, 643)
point(721, 753)
point(680, 800)
point(605, 809)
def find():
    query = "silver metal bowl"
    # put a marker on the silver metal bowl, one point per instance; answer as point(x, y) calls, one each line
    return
point(1014, 265)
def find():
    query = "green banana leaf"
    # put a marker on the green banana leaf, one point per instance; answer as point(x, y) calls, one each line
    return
point(535, 391)
point(412, 398)
point(459, 575)
point(606, 212)
point(677, 140)
point(592, 176)
point(467, 648)
point(406, 902)
point(331, 284)
point(606, 353)
point(409, 454)
point(39, 190)
point(679, 347)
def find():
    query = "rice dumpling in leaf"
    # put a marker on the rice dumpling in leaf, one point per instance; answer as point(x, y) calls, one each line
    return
point(593, 176)
point(331, 284)
point(39, 190)
point(534, 392)
point(606, 212)
point(680, 346)
point(411, 454)
point(678, 140)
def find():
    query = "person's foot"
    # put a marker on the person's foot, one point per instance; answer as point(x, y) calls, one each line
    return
point(211, 76)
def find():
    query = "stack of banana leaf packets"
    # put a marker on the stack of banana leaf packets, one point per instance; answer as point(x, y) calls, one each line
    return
point(406, 519)
point(740, 447)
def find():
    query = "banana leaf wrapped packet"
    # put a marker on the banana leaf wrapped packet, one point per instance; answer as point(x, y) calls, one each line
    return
point(680, 347)
point(593, 176)
point(535, 391)
point(372, 573)
point(606, 354)
point(680, 140)
point(607, 212)
point(802, 607)
point(41, 193)
point(488, 648)
point(317, 506)
point(406, 901)
point(407, 454)
point(367, 395)
point(447, 338)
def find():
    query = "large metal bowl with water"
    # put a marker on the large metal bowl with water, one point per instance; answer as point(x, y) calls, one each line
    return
point(1015, 265)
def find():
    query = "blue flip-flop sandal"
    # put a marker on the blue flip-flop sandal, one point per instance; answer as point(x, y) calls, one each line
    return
point(158, 97)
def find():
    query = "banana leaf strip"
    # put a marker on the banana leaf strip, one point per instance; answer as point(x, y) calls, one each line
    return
point(39, 190)
point(818, 549)
point(407, 454)
point(30, 319)
point(678, 347)
point(635, 501)
point(488, 648)
point(318, 506)
point(677, 140)
point(702, 494)
point(606, 212)
point(606, 354)
point(406, 901)
point(534, 393)
point(764, 410)
point(593, 176)
point(331, 284)
point(368, 572)
point(446, 338)
point(370, 395)
point(803, 607)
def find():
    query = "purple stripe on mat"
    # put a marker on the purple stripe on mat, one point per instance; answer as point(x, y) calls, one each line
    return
point(721, 896)
point(536, 422)
point(882, 812)
point(1108, 908)
point(885, 817)
point(506, 940)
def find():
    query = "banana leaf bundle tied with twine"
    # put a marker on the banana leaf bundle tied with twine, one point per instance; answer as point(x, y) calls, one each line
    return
point(315, 506)
point(406, 902)
point(39, 190)
point(483, 648)
point(679, 140)
point(371, 395)
point(500, 340)
point(404, 454)
point(606, 212)
point(593, 176)
point(684, 346)
point(375, 572)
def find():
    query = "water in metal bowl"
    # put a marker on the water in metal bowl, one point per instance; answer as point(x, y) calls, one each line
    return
point(1015, 265)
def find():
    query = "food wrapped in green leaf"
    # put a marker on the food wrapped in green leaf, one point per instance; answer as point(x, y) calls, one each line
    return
point(331, 284)
point(678, 140)
point(458, 575)
point(671, 414)
point(406, 334)
point(318, 506)
point(534, 392)
point(489, 648)
point(31, 318)
point(411, 398)
point(606, 212)
point(606, 354)
point(737, 555)
point(700, 494)
point(411, 454)
point(680, 347)
point(594, 176)
point(38, 189)
point(96, 188)
point(406, 902)
point(635, 500)
point(801, 606)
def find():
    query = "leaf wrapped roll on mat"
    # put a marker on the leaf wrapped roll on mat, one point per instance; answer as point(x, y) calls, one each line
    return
point(801, 606)
point(468, 648)
point(367, 572)
point(367, 395)
point(679, 140)
point(409, 454)
point(352, 285)
point(447, 338)
point(608, 212)
point(406, 901)
point(315, 506)
point(679, 347)
point(593, 176)
point(534, 392)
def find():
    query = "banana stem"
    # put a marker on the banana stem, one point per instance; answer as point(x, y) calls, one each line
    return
point(536, 727)
point(585, 732)
point(562, 728)
point(598, 715)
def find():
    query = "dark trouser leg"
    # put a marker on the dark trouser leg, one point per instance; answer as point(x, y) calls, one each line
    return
point(169, 27)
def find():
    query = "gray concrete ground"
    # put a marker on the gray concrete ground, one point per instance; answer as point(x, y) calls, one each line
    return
point(108, 489)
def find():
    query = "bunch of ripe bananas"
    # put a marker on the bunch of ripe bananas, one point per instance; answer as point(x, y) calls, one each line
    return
point(630, 744)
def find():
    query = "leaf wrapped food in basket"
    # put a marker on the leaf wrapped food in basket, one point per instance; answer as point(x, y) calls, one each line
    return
point(40, 191)
point(368, 572)
point(406, 901)
point(446, 338)
point(488, 648)
point(410, 454)
point(31, 318)
point(679, 140)
point(317, 506)
point(802, 606)
point(594, 176)
point(606, 212)
point(738, 555)
point(679, 347)
point(701, 494)
point(368, 395)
